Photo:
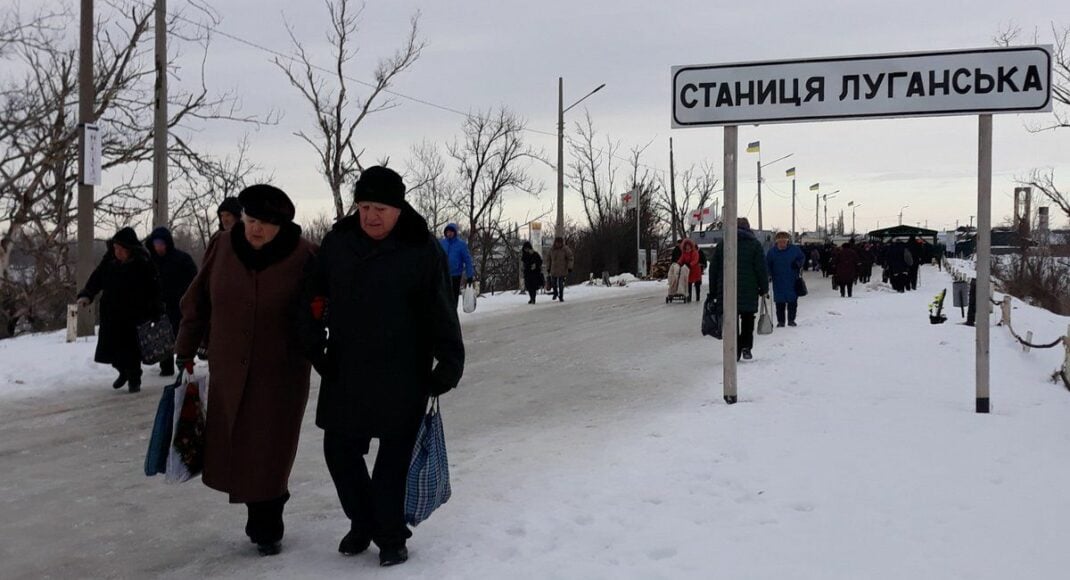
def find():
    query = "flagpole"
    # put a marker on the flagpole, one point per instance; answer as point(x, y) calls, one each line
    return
point(760, 227)
point(793, 209)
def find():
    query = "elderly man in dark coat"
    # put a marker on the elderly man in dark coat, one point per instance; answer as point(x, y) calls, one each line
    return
point(130, 296)
point(394, 341)
point(247, 296)
point(177, 271)
point(751, 283)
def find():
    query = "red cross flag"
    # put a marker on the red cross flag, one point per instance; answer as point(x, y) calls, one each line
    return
point(696, 217)
point(630, 200)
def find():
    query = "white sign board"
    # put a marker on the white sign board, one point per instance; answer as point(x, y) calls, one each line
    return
point(957, 82)
point(90, 154)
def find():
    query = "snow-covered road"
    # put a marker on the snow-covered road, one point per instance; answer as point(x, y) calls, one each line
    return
point(589, 440)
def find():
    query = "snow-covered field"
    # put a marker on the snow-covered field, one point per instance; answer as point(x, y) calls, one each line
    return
point(589, 440)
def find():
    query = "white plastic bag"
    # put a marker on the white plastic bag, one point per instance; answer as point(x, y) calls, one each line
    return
point(468, 298)
point(177, 470)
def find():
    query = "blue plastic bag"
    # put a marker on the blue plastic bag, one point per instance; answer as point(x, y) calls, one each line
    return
point(162, 429)
point(428, 484)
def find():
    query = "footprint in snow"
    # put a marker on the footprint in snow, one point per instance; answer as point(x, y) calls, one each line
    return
point(834, 313)
point(661, 553)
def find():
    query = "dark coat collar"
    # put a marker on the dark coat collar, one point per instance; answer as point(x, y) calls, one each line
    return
point(273, 252)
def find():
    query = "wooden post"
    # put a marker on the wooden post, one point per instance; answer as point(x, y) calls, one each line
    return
point(729, 273)
point(1005, 312)
point(984, 260)
point(1029, 339)
point(160, 203)
point(1066, 358)
point(86, 98)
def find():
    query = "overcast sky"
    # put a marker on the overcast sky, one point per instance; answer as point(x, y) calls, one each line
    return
point(483, 54)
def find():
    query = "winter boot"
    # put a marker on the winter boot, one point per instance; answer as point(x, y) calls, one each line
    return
point(135, 385)
point(354, 543)
point(119, 382)
point(269, 548)
point(746, 354)
point(393, 556)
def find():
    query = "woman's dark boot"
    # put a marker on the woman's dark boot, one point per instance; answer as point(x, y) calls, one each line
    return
point(119, 382)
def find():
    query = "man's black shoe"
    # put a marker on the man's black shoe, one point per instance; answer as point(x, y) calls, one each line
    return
point(269, 549)
point(393, 556)
point(353, 544)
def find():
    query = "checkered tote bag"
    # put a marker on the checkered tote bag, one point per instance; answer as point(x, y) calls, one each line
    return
point(428, 485)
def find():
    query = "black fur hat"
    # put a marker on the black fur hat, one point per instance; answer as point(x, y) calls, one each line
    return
point(267, 203)
point(380, 185)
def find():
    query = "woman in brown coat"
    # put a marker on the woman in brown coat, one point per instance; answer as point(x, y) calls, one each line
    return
point(245, 297)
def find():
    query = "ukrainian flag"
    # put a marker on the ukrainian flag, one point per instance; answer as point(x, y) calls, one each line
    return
point(790, 172)
point(753, 147)
point(815, 187)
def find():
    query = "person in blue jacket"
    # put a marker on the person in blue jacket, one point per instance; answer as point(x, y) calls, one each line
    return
point(784, 262)
point(460, 261)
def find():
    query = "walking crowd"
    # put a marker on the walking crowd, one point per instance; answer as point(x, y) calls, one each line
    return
point(783, 265)
point(373, 309)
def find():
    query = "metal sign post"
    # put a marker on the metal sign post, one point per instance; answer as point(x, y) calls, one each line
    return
point(984, 253)
point(953, 82)
point(730, 333)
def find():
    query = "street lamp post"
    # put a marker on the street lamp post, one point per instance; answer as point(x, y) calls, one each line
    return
point(901, 214)
point(758, 150)
point(826, 197)
point(853, 207)
point(559, 230)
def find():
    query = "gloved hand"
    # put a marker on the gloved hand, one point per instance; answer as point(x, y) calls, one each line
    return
point(438, 389)
point(185, 363)
point(84, 302)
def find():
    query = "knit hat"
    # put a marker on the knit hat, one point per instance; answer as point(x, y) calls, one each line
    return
point(230, 205)
point(380, 185)
point(267, 204)
point(126, 238)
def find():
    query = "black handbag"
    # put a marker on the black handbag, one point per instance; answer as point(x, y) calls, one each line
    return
point(800, 287)
point(156, 339)
point(712, 318)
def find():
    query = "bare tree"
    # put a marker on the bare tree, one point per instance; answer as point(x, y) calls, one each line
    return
point(327, 91)
point(492, 161)
point(594, 173)
point(698, 183)
point(430, 190)
point(1044, 180)
point(39, 137)
point(204, 182)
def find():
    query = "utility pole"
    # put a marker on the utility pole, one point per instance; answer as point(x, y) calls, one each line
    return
point(760, 227)
point(160, 217)
point(86, 98)
point(559, 229)
point(672, 194)
point(817, 211)
point(561, 110)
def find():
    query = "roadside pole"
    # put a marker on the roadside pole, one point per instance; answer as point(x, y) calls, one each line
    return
point(730, 272)
point(984, 262)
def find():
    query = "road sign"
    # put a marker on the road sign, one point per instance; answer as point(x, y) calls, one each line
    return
point(955, 82)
